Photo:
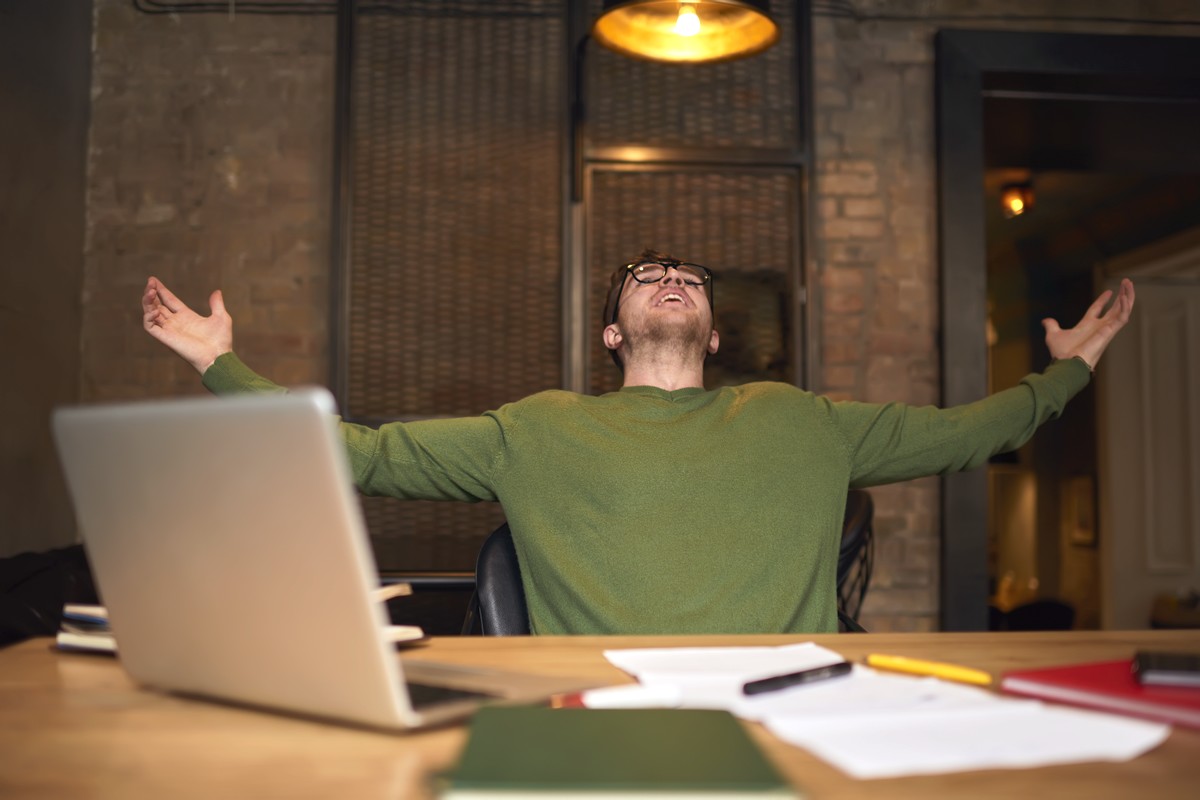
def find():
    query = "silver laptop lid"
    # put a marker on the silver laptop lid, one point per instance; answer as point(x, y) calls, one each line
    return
point(230, 551)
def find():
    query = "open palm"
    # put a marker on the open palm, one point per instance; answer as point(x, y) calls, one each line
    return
point(198, 340)
point(1090, 337)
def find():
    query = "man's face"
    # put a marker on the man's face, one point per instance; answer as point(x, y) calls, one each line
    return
point(670, 313)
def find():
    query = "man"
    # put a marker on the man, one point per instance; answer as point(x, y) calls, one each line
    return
point(663, 507)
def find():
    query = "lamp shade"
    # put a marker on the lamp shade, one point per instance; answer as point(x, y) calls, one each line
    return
point(686, 31)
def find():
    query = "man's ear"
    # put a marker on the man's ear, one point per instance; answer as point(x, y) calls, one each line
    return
point(714, 342)
point(612, 336)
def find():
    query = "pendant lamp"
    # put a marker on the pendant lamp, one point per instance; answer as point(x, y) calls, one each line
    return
point(686, 31)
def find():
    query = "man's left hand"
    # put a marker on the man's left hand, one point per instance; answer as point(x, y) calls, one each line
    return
point(1090, 337)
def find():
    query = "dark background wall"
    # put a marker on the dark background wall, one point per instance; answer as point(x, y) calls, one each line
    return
point(45, 69)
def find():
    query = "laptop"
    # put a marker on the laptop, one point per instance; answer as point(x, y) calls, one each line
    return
point(229, 548)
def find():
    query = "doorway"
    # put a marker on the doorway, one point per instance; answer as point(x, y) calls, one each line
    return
point(1099, 128)
point(1046, 554)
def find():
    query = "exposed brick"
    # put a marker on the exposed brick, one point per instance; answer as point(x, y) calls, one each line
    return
point(850, 278)
point(848, 165)
point(852, 183)
point(853, 251)
point(840, 377)
point(906, 600)
point(826, 144)
point(842, 228)
point(911, 217)
point(829, 97)
point(835, 352)
point(907, 52)
point(841, 325)
point(869, 143)
point(827, 208)
point(893, 343)
point(864, 207)
point(879, 621)
point(914, 247)
point(843, 301)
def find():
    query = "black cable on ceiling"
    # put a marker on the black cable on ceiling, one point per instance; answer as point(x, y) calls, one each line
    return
point(482, 8)
point(411, 8)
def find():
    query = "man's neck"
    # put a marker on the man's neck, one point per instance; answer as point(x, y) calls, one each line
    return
point(665, 374)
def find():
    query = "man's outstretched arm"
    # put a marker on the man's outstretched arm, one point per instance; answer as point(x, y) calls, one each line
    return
point(896, 442)
point(198, 340)
point(1090, 337)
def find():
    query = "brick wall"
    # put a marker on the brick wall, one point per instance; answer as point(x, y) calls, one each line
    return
point(210, 166)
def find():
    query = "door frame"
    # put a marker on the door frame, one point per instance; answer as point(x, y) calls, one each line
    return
point(967, 63)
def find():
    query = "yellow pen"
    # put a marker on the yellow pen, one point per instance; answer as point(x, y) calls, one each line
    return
point(935, 669)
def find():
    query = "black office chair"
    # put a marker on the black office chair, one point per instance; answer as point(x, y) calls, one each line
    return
point(856, 558)
point(497, 606)
point(1045, 614)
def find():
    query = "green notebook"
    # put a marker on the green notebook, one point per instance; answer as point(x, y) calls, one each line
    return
point(594, 753)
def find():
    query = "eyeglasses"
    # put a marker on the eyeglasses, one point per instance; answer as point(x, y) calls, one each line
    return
point(656, 271)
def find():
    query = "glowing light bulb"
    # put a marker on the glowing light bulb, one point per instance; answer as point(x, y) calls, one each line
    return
point(1016, 199)
point(687, 23)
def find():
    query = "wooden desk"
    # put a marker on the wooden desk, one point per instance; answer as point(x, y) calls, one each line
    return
point(74, 726)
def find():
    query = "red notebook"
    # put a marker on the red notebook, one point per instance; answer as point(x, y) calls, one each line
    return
point(1108, 686)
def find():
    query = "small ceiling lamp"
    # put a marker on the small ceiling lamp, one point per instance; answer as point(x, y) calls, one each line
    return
point(1016, 199)
point(686, 31)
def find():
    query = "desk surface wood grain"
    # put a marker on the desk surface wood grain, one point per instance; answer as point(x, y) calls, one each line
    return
point(75, 726)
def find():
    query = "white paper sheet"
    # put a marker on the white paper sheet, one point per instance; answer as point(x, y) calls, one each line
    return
point(712, 677)
point(873, 724)
point(1002, 734)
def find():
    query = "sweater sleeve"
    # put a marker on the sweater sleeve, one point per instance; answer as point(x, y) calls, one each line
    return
point(229, 375)
point(441, 459)
point(896, 442)
point(436, 459)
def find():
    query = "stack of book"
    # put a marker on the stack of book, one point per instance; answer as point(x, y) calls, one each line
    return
point(85, 628)
point(1109, 686)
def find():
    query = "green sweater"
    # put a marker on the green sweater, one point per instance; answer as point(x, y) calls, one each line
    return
point(692, 511)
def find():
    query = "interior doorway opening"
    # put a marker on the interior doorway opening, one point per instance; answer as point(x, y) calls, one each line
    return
point(1101, 129)
point(1044, 527)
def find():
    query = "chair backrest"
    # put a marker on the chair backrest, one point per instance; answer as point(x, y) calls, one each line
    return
point(856, 557)
point(1045, 614)
point(498, 606)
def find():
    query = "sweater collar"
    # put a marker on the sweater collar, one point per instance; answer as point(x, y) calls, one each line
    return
point(663, 394)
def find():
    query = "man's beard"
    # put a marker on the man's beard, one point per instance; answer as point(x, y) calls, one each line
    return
point(664, 335)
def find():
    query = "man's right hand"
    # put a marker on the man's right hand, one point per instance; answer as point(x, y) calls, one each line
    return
point(198, 340)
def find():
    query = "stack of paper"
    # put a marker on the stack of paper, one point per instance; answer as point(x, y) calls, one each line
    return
point(871, 724)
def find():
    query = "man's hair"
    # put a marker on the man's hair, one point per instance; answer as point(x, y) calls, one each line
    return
point(617, 282)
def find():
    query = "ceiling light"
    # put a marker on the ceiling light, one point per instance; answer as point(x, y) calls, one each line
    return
point(686, 31)
point(1016, 199)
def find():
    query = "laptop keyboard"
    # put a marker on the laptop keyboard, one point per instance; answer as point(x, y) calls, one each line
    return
point(422, 695)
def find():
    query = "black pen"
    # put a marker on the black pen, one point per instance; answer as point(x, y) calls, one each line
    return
point(777, 682)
